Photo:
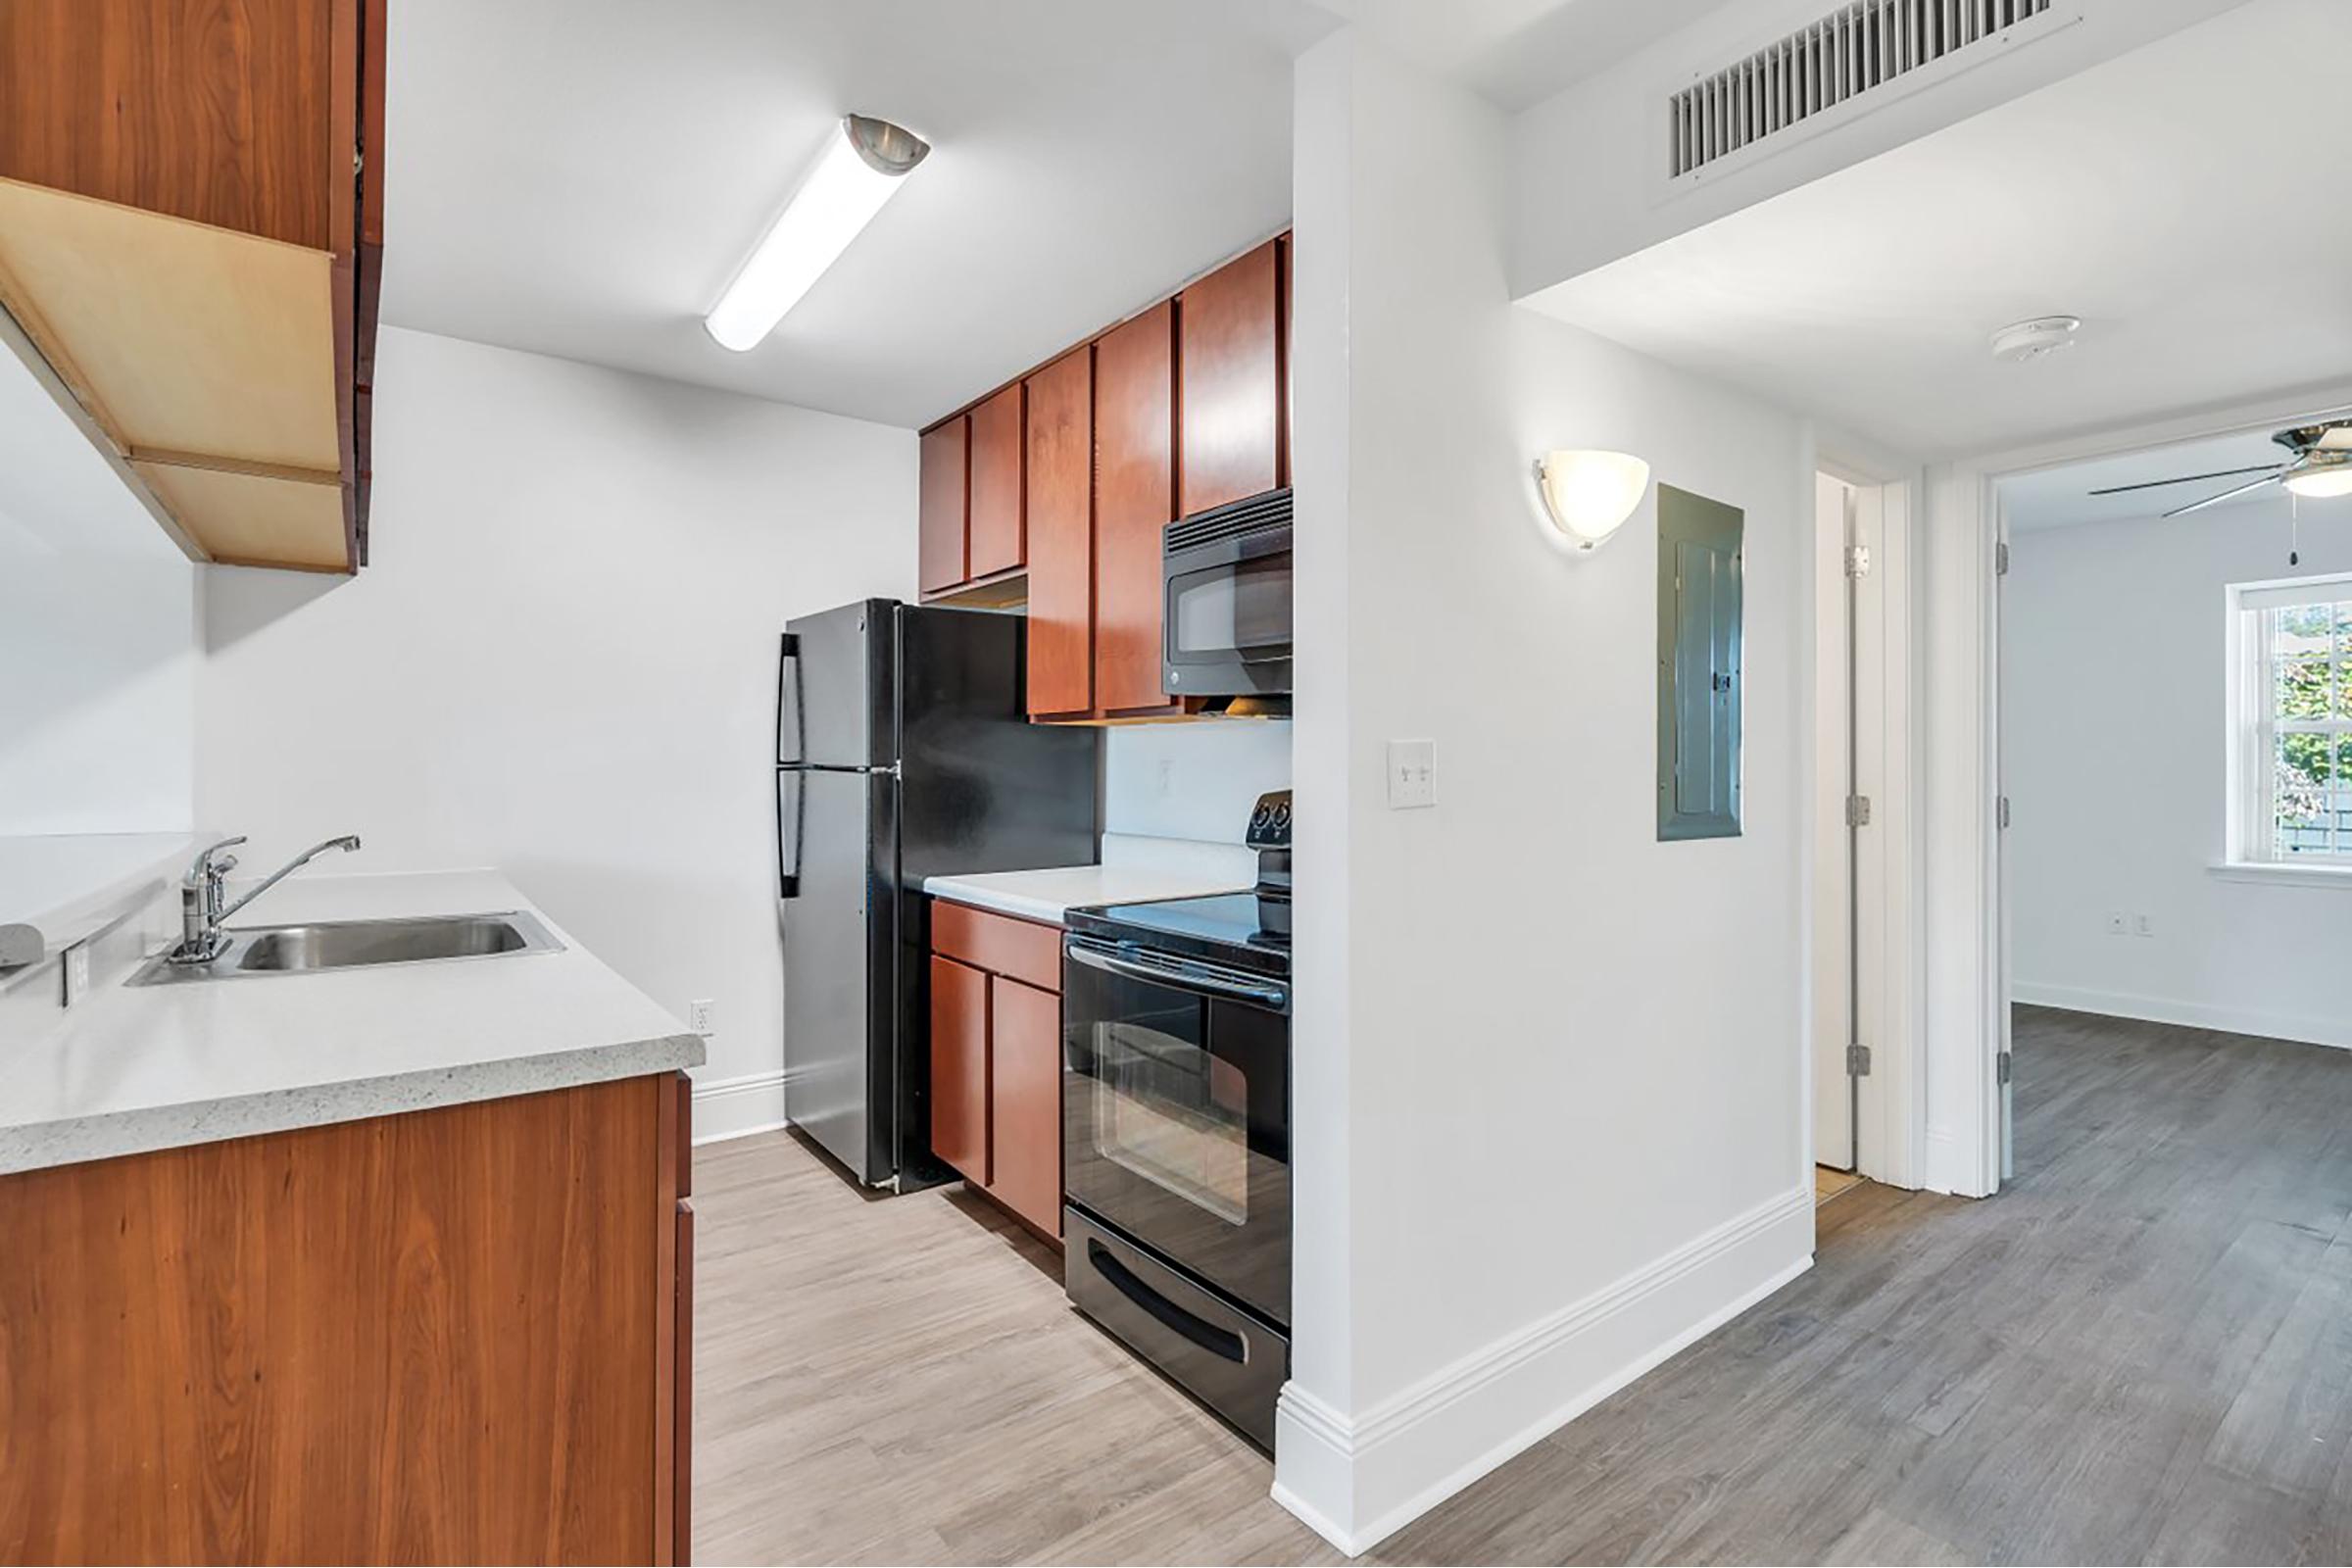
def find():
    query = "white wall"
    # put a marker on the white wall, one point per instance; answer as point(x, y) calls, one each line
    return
point(1193, 780)
point(1589, 161)
point(97, 636)
point(1550, 1090)
point(2115, 749)
point(561, 659)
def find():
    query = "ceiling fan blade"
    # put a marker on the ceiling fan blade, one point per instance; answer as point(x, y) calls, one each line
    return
point(2235, 490)
point(2191, 478)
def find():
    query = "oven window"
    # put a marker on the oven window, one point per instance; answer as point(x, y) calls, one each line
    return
point(1171, 1113)
point(1242, 607)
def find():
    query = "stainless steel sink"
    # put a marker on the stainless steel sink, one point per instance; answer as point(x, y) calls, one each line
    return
point(330, 945)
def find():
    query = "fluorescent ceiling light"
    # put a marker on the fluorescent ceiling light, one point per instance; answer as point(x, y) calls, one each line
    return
point(2322, 480)
point(859, 169)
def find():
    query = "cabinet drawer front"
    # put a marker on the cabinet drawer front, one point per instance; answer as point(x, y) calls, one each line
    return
point(998, 943)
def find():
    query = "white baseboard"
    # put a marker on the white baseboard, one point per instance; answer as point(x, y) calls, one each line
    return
point(2309, 1028)
point(1357, 1479)
point(737, 1108)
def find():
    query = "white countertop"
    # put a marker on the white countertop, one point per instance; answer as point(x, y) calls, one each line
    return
point(137, 1069)
point(1132, 868)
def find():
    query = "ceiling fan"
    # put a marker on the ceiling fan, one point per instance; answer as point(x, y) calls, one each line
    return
point(2322, 465)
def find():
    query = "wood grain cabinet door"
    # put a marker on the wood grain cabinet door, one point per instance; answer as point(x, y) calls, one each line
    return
point(998, 543)
point(1229, 383)
point(941, 522)
point(1025, 1073)
point(1134, 499)
point(959, 1076)
point(1062, 536)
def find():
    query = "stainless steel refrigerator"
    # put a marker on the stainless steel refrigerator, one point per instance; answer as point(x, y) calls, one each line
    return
point(904, 751)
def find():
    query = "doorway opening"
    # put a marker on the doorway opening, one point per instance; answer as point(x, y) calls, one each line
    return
point(2173, 667)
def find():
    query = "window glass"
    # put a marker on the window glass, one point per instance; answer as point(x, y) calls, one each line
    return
point(2298, 740)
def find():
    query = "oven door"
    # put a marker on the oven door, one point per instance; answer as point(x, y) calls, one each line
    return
point(1176, 1113)
point(1227, 617)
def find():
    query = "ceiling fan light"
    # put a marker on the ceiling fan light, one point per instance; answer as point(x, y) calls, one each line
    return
point(2321, 480)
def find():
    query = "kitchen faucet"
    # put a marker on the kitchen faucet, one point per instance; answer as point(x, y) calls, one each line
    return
point(201, 911)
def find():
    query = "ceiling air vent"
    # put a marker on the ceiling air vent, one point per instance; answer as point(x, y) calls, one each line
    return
point(1855, 50)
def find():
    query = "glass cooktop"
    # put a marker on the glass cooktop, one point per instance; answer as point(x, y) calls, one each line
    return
point(1220, 928)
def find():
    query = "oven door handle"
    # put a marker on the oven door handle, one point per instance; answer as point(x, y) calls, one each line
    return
point(1188, 977)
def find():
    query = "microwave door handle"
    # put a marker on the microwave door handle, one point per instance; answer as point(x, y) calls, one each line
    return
point(1277, 998)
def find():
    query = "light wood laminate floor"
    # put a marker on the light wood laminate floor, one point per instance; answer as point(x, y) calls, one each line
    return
point(2141, 1351)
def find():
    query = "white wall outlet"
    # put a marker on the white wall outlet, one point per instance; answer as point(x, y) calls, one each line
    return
point(76, 968)
point(2115, 922)
point(1167, 778)
point(1412, 774)
point(698, 1016)
point(2142, 926)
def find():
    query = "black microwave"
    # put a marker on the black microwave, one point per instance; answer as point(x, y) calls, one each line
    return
point(1226, 600)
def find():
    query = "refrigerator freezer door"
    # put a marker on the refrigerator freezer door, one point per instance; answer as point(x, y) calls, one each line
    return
point(834, 688)
point(840, 954)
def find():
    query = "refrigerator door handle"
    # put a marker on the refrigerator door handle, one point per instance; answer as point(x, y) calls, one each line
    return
point(789, 823)
point(788, 701)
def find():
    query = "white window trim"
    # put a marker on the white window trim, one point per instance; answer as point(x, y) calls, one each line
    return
point(2254, 730)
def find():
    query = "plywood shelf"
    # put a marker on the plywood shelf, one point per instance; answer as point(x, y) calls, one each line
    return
point(205, 356)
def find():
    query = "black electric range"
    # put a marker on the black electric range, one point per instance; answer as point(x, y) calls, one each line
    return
point(1176, 1130)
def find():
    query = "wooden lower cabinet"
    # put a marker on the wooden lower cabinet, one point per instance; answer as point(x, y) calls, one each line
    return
point(959, 1067)
point(996, 1058)
point(459, 1335)
point(1024, 1089)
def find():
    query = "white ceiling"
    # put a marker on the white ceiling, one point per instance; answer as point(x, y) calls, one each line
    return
point(1519, 52)
point(2060, 497)
point(581, 178)
point(2180, 199)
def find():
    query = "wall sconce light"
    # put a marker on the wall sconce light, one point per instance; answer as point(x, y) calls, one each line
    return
point(1590, 494)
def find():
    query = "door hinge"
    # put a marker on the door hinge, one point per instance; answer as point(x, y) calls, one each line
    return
point(2001, 811)
point(2000, 558)
point(1857, 560)
point(1857, 1061)
point(2000, 1068)
point(1857, 810)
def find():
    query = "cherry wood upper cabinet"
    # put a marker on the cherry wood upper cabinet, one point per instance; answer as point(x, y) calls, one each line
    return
point(1229, 382)
point(946, 495)
point(998, 542)
point(1025, 1102)
point(191, 200)
point(959, 1084)
point(1134, 499)
point(1062, 554)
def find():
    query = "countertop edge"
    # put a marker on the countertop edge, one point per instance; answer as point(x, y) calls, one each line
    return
point(149, 1129)
point(1037, 911)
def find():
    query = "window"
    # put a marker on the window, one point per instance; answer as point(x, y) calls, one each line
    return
point(2293, 777)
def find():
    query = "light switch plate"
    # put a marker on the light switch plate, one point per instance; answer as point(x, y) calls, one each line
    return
point(1412, 774)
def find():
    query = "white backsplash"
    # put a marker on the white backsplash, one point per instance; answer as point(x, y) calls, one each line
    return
point(1195, 780)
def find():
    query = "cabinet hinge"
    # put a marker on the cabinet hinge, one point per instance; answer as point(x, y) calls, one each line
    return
point(2000, 1068)
point(1857, 1061)
point(2000, 558)
point(1857, 560)
point(2001, 811)
point(1857, 810)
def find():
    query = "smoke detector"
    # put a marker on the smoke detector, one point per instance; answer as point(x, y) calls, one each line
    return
point(2021, 341)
